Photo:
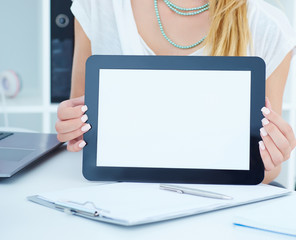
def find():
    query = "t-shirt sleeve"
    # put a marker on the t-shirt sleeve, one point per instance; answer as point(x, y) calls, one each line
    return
point(81, 10)
point(281, 42)
point(275, 37)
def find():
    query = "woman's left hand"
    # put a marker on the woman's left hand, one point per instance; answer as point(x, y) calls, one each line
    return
point(278, 139)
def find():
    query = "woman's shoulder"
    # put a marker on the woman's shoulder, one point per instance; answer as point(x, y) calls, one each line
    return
point(268, 24)
point(264, 14)
point(272, 34)
point(103, 6)
point(94, 3)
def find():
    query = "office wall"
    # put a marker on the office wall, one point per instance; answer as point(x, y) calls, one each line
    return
point(20, 41)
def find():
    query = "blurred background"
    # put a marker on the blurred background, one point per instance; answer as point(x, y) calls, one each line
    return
point(36, 49)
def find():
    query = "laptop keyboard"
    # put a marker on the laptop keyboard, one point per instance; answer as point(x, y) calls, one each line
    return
point(4, 135)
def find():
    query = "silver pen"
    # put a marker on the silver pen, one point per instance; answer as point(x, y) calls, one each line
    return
point(193, 191)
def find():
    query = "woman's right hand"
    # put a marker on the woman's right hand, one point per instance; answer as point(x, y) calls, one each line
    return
point(71, 123)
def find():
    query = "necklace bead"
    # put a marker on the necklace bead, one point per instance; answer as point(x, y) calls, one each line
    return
point(175, 8)
point(190, 13)
point(186, 9)
point(167, 38)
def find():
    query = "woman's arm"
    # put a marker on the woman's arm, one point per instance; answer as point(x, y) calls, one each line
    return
point(279, 142)
point(82, 51)
point(71, 123)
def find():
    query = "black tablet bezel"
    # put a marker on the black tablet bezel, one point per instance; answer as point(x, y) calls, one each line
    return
point(171, 175)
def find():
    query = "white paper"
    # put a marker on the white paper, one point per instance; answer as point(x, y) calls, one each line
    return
point(277, 217)
point(174, 119)
point(145, 202)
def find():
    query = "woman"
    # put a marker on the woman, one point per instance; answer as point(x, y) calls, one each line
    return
point(191, 27)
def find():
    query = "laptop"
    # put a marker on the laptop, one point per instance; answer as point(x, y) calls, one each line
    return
point(18, 150)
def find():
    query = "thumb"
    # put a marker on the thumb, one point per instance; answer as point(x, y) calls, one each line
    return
point(267, 103)
point(77, 101)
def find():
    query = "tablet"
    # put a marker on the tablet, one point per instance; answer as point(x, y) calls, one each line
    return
point(174, 119)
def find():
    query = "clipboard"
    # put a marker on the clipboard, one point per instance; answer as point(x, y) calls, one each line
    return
point(118, 203)
point(174, 119)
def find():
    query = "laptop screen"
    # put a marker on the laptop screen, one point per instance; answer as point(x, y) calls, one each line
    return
point(194, 119)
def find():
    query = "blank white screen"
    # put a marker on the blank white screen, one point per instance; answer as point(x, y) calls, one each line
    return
point(174, 119)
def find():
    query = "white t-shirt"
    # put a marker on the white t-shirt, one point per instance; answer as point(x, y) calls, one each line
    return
point(111, 28)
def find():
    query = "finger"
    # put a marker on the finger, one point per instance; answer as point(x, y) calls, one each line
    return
point(73, 102)
point(63, 110)
point(275, 154)
point(70, 125)
point(77, 101)
point(267, 103)
point(282, 125)
point(268, 164)
point(67, 113)
point(76, 145)
point(277, 137)
point(64, 137)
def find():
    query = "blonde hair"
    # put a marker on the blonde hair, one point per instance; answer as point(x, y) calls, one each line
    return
point(229, 33)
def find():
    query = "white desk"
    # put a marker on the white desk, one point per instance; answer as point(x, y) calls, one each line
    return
point(21, 219)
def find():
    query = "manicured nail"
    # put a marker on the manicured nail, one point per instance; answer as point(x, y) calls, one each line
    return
point(261, 145)
point(84, 108)
point(85, 128)
point(264, 121)
point(82, 144)
point(84, 118)
point(265, 110)
point(263, 132)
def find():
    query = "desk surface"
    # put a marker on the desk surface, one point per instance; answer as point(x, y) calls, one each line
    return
point(21, 219)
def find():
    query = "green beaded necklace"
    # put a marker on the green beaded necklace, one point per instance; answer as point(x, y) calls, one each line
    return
point(186, 12)
point(174, 8)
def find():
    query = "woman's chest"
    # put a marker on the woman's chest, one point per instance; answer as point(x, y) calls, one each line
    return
point(159, 27)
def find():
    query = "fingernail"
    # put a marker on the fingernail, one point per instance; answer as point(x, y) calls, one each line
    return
point(84, 108)
point(264, 121)
point(85, 128)
point(82, 144)
point(263, 132)
point(84, 118)
point(261, 145)
point(265, 110)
